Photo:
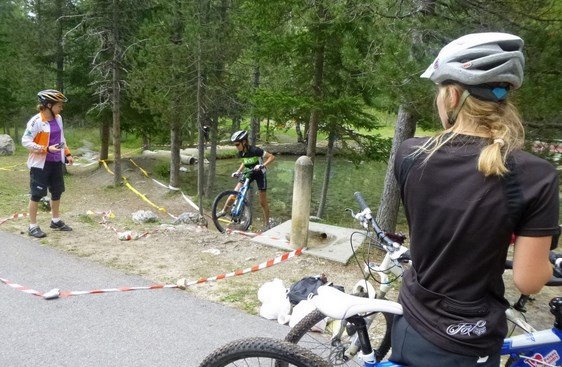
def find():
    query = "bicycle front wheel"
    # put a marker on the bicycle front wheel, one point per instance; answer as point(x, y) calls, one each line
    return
point(228, 220)
point(336, 350)
point(262, 352)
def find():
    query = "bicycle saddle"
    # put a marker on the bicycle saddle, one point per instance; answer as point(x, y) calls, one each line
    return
point(338, 305)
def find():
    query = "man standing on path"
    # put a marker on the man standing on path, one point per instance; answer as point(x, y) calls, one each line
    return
point(44, 139)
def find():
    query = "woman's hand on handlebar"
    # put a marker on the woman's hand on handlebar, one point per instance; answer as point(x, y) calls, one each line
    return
point(235, 174)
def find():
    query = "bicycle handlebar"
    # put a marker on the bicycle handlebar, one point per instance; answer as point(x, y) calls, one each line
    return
point(362, 203)
point(366, 215)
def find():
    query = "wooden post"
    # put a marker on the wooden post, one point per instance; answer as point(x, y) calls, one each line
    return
point(302, 190)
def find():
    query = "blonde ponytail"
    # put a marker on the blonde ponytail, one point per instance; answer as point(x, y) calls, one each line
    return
point(499, 121)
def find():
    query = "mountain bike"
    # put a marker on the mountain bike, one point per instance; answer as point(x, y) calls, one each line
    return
point(344, 343)
point(540, 348)
point(262, 352)
point(232, 210)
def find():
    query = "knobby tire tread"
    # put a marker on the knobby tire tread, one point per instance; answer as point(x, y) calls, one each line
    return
point(279, 351)
point(215, 210)
point(305, 325)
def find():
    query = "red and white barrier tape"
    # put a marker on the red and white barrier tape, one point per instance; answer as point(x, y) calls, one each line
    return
point(14, 217)
point(182, 283)
point(255, 234)
point(21, 287)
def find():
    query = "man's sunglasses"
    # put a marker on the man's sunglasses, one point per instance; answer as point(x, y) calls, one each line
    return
point(236, 144)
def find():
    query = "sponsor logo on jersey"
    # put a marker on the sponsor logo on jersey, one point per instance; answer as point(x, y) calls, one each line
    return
point(467, 328)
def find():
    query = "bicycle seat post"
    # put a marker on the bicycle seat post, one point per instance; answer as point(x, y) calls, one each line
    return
point(556, 309)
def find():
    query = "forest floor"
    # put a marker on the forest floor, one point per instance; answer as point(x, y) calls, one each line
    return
point(173, 251)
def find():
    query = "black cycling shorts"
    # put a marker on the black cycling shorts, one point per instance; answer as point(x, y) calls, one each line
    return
point(259, 177)
point(50, 177)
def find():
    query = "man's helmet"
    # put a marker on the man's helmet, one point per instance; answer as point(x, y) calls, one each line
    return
point(50, 96)
point(480, 58)
point(239, 136)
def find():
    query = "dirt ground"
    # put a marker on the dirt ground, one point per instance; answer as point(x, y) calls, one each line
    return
point(171, 252)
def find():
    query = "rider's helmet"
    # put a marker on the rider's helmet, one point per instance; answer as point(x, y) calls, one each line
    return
point(481, 59)
point(50, 96)
point(239, 136)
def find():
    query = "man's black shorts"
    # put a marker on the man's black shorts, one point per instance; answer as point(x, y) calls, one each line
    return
point(51, 177)
point(258, 176)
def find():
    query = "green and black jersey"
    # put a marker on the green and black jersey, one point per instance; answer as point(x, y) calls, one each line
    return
point(251, 157)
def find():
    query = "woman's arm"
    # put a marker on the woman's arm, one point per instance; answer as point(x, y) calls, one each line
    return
point(531, 267)
point(28, 138)
point(268, 158)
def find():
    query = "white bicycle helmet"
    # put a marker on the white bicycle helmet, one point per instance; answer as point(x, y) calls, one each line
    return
point(480, 58)
point(239, 136)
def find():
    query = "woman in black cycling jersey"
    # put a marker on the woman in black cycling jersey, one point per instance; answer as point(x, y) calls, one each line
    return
point(254, 164)
point(465, 192)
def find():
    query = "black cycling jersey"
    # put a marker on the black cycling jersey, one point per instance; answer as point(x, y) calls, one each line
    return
point(251, 157)
point(460, 229)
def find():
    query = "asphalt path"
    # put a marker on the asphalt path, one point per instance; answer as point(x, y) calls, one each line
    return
point(163, 327)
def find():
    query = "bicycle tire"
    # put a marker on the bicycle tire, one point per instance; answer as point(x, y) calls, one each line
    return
point(323, 346)
point(270, 352)
point(242, 222)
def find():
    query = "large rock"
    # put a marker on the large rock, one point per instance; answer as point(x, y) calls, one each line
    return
point(7, 146)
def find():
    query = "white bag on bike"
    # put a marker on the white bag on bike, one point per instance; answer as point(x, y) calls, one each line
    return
point(275, 304)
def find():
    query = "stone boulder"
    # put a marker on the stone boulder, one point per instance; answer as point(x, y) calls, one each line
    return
point(7, 146)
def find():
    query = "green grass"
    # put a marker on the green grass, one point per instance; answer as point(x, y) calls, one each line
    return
point(14, 183)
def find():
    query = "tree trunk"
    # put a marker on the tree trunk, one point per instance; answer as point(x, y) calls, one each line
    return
point(175, 127)
point(212, 171)
point(201, 137)
point(175, 140)
point(329, 158)
point(267, 126)
point(116, 95)
point(317, 86)
point(104, 134)
point(59, 56)
point(300, 137)
point(387, 214)
point(255, 121)
point(390, 200)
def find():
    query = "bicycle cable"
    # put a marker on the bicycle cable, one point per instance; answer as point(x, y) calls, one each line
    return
point(371, 275)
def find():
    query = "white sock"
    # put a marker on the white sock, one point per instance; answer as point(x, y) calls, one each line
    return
point(33, 225)
point(56, 220)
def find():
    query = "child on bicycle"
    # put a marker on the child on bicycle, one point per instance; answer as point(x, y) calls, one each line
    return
point(253, 166)
point(44, 138)
point(465, 192)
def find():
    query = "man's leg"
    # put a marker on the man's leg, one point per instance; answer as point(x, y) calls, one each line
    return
point(230, 200)
point(33, 207)
point(38, 189)
point(264, 206)
point(55, 208)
